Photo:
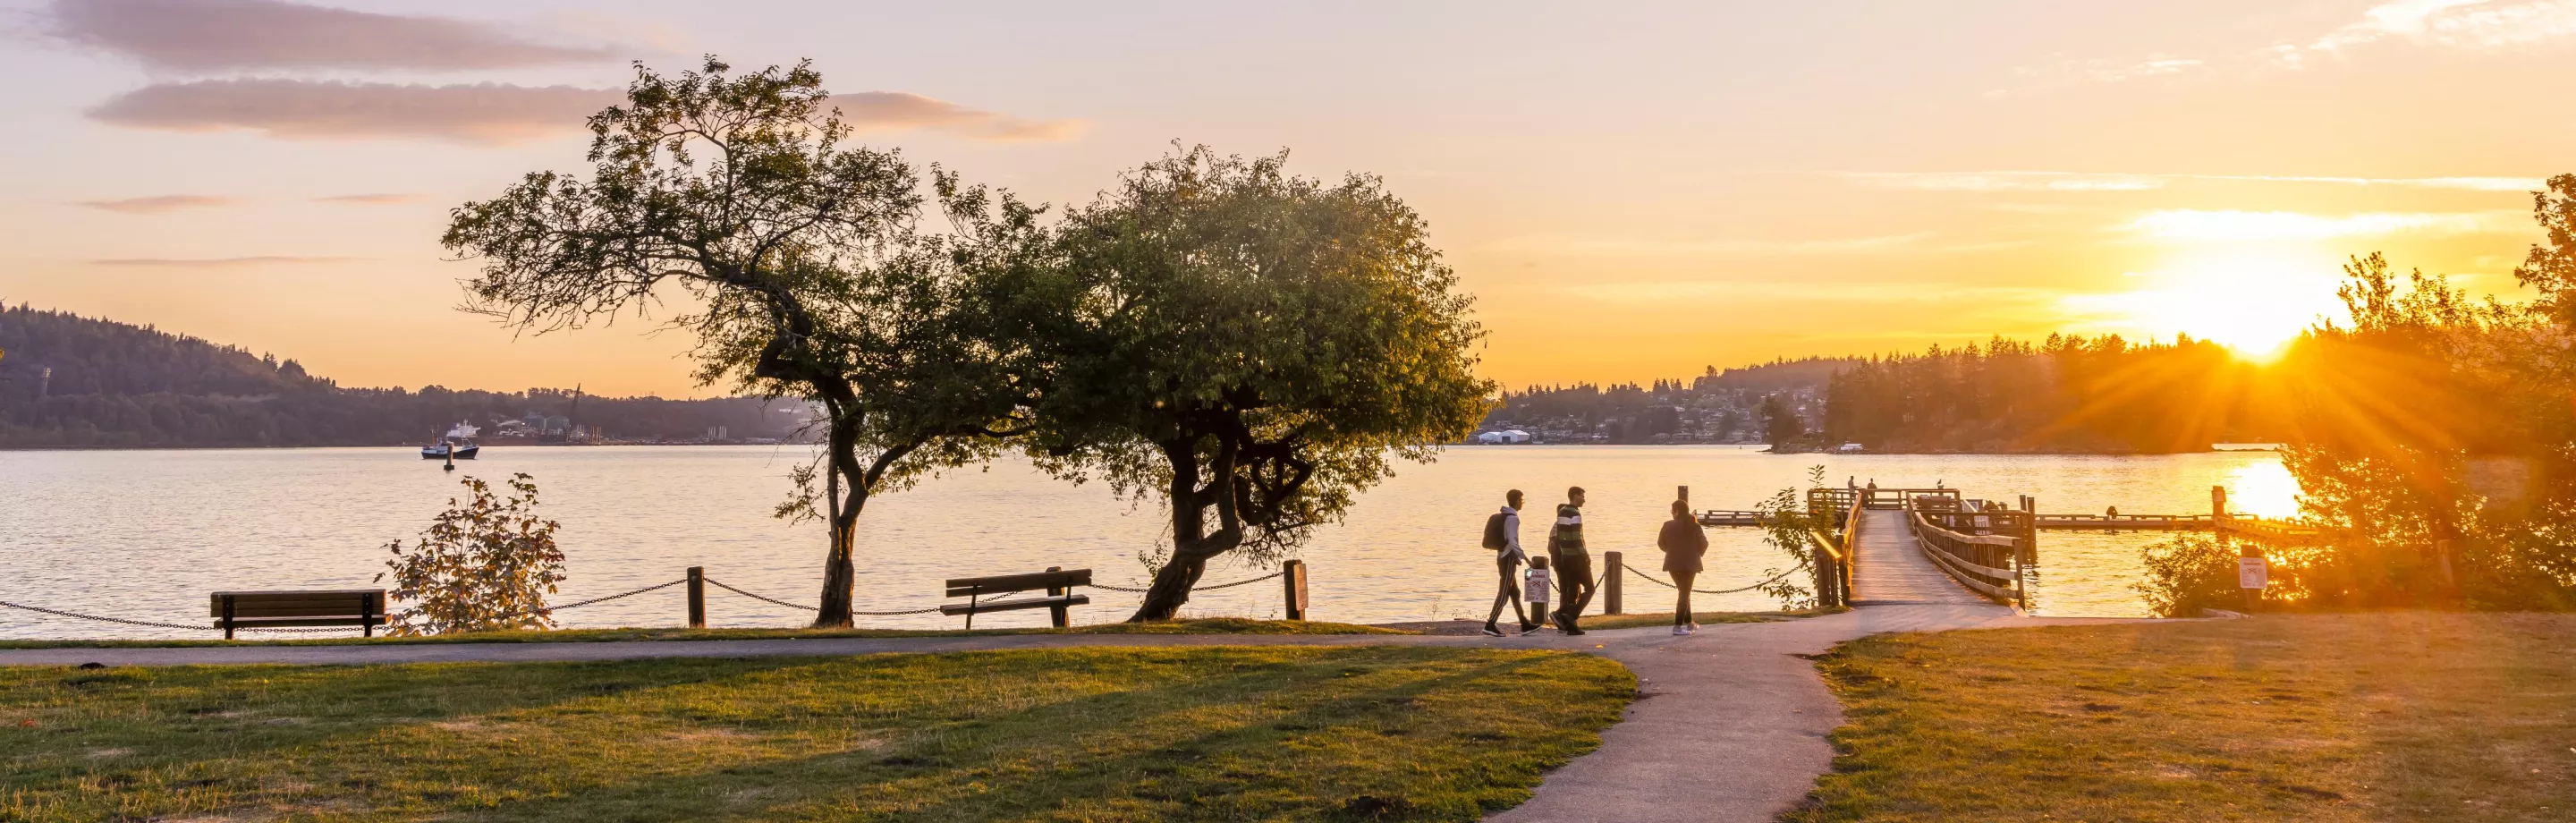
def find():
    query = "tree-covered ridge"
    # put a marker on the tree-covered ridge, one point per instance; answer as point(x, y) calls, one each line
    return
point(101, 356)
point(2068, 394)
point(119, 385)
point(1718, 406)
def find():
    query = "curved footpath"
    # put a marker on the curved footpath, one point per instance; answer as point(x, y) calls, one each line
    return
point(1730, 723)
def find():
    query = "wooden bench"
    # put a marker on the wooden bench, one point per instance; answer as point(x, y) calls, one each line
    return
point(1058, 584)
point(363, 608)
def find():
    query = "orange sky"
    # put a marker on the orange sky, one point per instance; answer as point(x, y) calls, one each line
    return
point(1632, 193)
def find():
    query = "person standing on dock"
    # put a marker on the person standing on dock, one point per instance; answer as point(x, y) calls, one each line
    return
point(1573, 563)
point(1503, 535)
point(1683, 542)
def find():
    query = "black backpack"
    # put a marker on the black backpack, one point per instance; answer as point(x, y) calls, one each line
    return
point(1494, 538)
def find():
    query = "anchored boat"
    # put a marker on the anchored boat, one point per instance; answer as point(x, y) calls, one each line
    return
point(457, 443)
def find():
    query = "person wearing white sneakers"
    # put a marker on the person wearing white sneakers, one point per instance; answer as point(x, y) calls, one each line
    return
point(1683, 542)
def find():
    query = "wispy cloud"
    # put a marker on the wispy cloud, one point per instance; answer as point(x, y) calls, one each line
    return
point(2099, 181)
point(2473, 25)
point(1875, 293)
point(485, 113)
point(158, 203)
point(1668, 247)
point(214, 262)
point(299, 109)
point(2197, 224)
point(899, 110)
point(2467, 24)
point(215, 35)
point(376, 199)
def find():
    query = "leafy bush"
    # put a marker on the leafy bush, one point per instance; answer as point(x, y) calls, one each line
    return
point(486, 563)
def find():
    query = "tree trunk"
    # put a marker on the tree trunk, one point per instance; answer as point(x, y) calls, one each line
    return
point(847, 493)
point(1192, 545)
point(1171, 587)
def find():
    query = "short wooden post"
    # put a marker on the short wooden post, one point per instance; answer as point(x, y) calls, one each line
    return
point(1538, 605)
point(369, 606)
point(1292, 576)
point(697, 597)
point(1682, 493)
point(1611, 578)
point(1062, 618)
point(228, 617)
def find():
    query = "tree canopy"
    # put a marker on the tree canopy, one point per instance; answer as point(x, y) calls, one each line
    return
point(800, 256)
point(1255, 347)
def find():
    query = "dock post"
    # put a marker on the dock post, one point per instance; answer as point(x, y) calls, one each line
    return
point(1610, 580)
point(1682, 493)
point(1292, 574)
point(697, 597)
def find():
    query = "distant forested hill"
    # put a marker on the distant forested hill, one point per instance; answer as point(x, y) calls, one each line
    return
point(1718, 406)
point(72, 381)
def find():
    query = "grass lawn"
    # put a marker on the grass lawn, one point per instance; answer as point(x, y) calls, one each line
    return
point(1213, 625)
point(1089, 734)
point(2377, 717)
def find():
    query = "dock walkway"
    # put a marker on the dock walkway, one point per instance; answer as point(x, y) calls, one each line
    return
point(1890, 571)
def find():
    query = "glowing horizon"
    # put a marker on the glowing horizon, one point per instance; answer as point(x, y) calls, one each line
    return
point(1632, 193)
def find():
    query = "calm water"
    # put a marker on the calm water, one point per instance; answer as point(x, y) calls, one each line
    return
point(146, 534)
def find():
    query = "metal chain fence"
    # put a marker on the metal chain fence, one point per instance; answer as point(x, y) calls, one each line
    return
point(1669, 585)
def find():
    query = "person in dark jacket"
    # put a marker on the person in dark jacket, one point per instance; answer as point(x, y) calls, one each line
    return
point(1683, 543)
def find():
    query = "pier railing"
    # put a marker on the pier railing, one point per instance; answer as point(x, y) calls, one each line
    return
point(1989, 564)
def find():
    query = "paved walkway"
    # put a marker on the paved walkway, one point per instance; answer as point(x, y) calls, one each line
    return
point(1731, 725)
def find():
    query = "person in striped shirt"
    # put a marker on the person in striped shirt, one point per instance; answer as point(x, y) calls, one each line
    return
point(1573, 563)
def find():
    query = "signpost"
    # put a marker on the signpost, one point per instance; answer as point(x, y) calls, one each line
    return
point(2252, 576)
point(1534, 587)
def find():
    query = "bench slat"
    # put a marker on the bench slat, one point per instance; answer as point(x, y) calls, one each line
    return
point(301, 595)
point(350, 611)
point(954, 609)
point(1004, 584)
point(286, 604)
point(351, 620)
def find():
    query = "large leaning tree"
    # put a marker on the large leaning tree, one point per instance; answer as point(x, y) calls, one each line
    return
point(1252, 347)
point(798, 264)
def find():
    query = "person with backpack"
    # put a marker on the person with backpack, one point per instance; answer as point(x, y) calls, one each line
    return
point(1503, 536)
point(1566, 553)
point(1683, 542)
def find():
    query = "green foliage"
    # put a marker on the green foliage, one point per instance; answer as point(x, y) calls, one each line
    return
point(805, 271)
point(1786, 522)
point(1780, 423)
point(2196, 571)
point(1254, 347)
point(2436, 441)
point(485, 564)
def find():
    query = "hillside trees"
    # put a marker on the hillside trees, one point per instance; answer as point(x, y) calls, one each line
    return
point(1253, 347)
point(802, 259)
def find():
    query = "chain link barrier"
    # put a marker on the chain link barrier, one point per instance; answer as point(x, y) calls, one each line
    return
point(149, 624)
point(1270, 576)
point(777, 602)
point(595, 600)
point(1669, 585)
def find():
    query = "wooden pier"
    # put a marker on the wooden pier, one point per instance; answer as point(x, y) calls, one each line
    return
point(1984, 546)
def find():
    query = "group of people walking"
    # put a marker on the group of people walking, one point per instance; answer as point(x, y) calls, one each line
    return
point(1569, 563)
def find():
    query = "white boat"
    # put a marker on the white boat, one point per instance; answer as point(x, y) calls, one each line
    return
point(457, 443)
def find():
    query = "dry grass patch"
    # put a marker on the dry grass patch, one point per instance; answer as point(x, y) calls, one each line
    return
point(2366, 717)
